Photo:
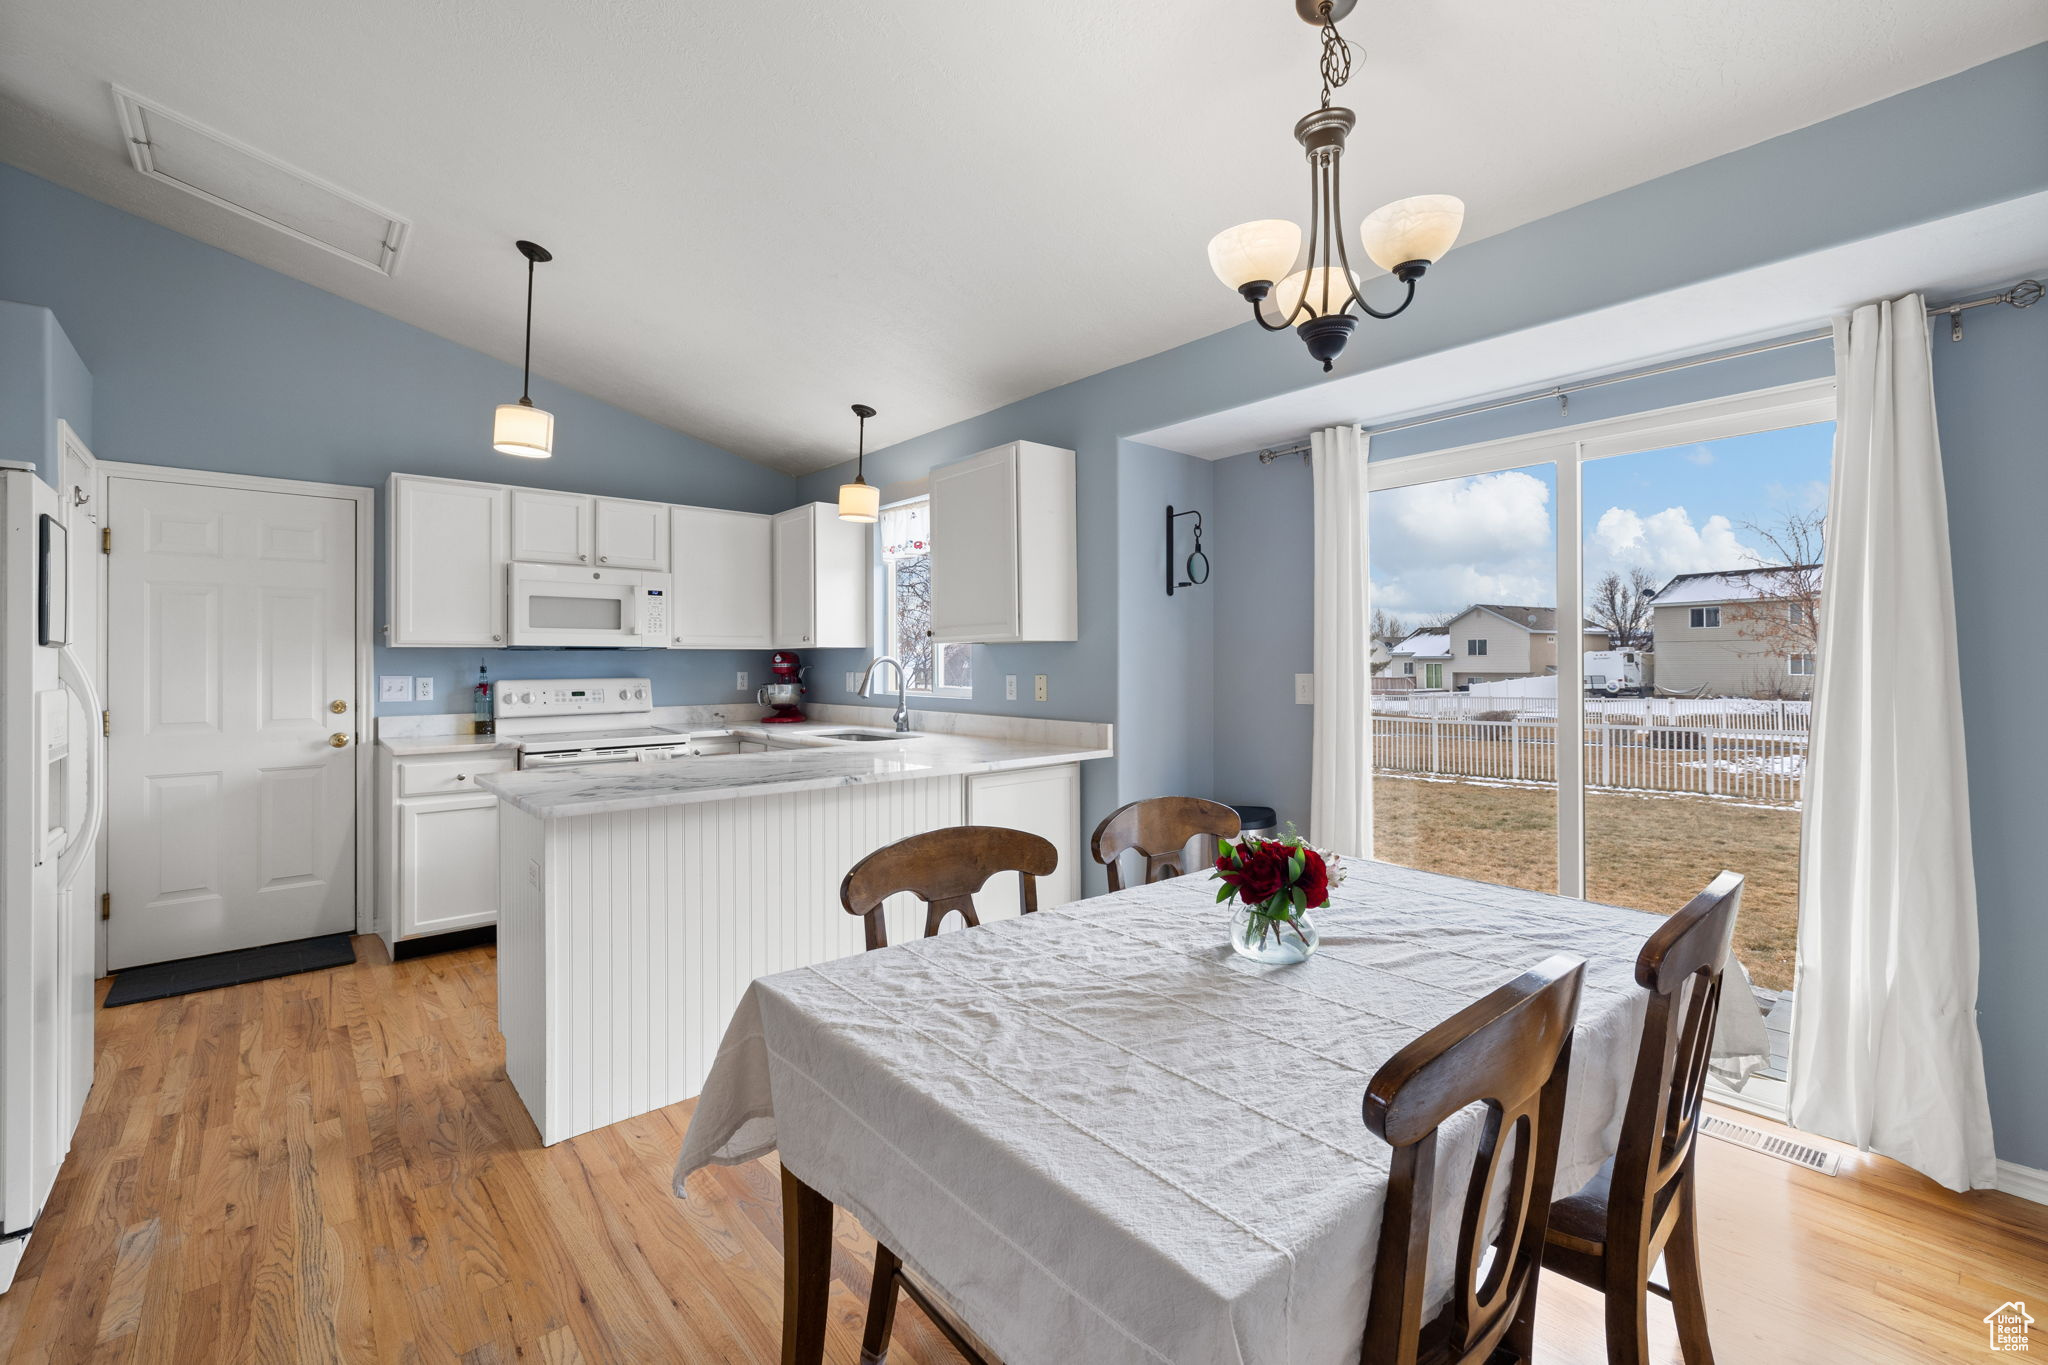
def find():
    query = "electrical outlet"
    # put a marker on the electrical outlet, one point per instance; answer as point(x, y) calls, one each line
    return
point(739, 681)
point(391, 687)
point(1304, 689)
point(1009, 687)
point(422, 689)
point(1038, 687)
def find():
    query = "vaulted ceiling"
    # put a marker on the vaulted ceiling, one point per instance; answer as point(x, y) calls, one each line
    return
point(762, 213)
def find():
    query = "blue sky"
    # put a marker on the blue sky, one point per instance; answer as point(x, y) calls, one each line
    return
point(1438, 548)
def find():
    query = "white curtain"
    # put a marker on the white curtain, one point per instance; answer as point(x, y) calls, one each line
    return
point(1884, 1032)
point(1340, 764)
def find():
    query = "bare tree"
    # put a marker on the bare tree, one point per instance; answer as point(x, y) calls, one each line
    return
point(1388, 629)
point(1621, 606)
point(1785, 617)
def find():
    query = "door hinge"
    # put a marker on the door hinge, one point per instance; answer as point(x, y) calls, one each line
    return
point(106, 540)
point(106, 905)
point(106, 723)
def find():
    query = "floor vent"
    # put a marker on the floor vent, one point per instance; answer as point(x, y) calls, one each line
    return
point(191, 157)
point(1770, 1144)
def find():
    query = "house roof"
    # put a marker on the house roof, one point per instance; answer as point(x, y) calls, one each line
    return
point(1433, 643)
point(1724, 585)
point(1536, 620)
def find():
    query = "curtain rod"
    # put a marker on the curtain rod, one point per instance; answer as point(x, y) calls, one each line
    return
point(2021, 295)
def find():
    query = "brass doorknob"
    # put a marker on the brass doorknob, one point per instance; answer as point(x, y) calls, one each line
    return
point(338, 740)
point(337, 706)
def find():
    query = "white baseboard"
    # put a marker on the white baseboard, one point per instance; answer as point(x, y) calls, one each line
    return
point(2024, 1181)
point(10, 1257)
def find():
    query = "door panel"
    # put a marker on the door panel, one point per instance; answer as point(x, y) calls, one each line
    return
point(632, 535)
point(231, 630)
point(550, 528)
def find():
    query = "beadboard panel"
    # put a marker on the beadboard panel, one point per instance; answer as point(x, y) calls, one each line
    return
point(654, 921)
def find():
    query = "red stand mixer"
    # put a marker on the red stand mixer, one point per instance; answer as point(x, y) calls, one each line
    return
point(785, 694)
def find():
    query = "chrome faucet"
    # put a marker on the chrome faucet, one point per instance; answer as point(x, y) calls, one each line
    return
point(902, 689)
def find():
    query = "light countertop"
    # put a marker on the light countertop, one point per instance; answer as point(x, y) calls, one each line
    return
point(819, 764)
point(415, 746)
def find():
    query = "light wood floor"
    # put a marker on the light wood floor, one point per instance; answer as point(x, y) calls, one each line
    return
point(333, 1167)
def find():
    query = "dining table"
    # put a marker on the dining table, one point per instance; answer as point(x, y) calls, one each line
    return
point(1098, 1134)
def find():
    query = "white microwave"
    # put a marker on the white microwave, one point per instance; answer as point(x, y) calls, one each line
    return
point(563, 605)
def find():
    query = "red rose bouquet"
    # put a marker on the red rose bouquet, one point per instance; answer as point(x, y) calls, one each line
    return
point(1276, 882)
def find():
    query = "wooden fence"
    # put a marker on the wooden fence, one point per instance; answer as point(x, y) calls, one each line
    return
point(1760, 768)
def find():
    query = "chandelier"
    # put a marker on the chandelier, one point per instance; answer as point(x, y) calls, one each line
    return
point(1403, 238)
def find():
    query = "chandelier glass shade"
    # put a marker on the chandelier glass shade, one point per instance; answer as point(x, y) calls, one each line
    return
point(1316, 296)
point(521, 428)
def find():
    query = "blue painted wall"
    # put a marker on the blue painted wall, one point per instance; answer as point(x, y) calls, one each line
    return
point(42, 381)
point(206, 361)
point(1166, 646)
point(1987, 395)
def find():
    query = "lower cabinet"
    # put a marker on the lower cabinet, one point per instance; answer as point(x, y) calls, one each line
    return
point(439, 847)
point(1041, 801)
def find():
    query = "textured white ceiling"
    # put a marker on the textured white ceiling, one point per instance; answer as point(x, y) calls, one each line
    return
point(763, 213)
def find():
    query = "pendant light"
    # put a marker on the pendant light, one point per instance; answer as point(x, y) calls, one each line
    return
point(521, 428)
point(1404, 238)
point(860, 500)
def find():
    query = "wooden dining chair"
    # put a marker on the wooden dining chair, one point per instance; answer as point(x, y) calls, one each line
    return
point(1158, 830)
point(1643, 1204)
point(1511, 1052)
point(944, 869)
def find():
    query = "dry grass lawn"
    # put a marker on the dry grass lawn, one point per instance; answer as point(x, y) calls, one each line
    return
point(1648, 852)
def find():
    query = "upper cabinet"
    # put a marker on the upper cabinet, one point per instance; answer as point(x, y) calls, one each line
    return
point(1005, 554)
point(448, 543)
point(575, 528)
point(723, 598)
point(632, 535)
point(821, 572)
point(552, 528)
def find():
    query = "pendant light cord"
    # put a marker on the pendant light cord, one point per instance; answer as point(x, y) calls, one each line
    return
point(526, 366)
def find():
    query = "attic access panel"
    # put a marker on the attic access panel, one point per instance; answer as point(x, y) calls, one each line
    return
point(214, 167)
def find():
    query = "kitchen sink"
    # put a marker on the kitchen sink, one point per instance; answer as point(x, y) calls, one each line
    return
point(863, 735)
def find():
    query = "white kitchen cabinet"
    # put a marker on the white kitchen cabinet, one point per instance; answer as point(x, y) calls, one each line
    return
point(447, 545)
point(821, 577)
point(723, 598)
point(552, 528)
point(632, 535)
point(1041, 801)
point(1005, 552)
point(438, 843)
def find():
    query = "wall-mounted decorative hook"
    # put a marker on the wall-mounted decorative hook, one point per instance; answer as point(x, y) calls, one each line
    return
point(1197, 566)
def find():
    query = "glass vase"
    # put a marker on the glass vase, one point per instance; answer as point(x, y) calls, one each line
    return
point(1274, 939)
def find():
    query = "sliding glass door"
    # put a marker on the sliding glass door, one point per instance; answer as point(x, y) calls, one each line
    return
point(1595, 652)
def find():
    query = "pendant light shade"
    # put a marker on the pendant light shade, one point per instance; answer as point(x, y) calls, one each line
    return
point(521, 428)
point(1409, 231)
point(861, 500)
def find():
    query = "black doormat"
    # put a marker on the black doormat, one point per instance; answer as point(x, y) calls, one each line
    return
point(189, 974)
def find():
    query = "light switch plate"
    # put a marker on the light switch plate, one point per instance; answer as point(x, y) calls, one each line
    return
point(739, 682)
point(422, 689)
point(1009, 687)
point(1305, 689)
point(853, 682)
point(1038, 686)
point(392, 687)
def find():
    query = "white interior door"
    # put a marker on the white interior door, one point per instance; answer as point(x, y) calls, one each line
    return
point(231, 628)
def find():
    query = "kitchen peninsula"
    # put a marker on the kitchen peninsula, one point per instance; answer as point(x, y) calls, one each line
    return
point(638, 901)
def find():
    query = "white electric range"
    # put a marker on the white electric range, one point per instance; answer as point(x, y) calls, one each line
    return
point(583, 722)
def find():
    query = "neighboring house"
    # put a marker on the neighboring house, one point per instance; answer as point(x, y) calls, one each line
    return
point(1424, 656)
point(1492, 642)
point(1732, 634)
point(1382, 654)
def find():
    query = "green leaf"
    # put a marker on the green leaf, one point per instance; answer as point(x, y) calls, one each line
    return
point(1223, 892)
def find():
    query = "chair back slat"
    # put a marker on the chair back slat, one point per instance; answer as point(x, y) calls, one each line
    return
point(944, 868)
point(1158, 830)
point(1681, 966)
point(1511, 1053)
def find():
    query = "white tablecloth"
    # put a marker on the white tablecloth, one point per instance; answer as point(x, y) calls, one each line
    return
point(1105, 1138)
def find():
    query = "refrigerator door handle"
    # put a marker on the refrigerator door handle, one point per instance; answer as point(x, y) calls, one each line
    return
point(77, 852)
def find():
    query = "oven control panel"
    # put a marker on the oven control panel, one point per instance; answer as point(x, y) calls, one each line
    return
point(571, 697)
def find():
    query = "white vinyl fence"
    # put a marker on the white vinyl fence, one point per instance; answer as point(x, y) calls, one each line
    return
point(1706, 713)
point(1752, 766)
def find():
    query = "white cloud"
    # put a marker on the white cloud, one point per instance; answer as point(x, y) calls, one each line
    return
point(1439, 547)
point(1665, 543)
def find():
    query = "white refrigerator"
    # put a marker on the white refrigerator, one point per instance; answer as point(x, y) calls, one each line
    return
point(51, 805)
